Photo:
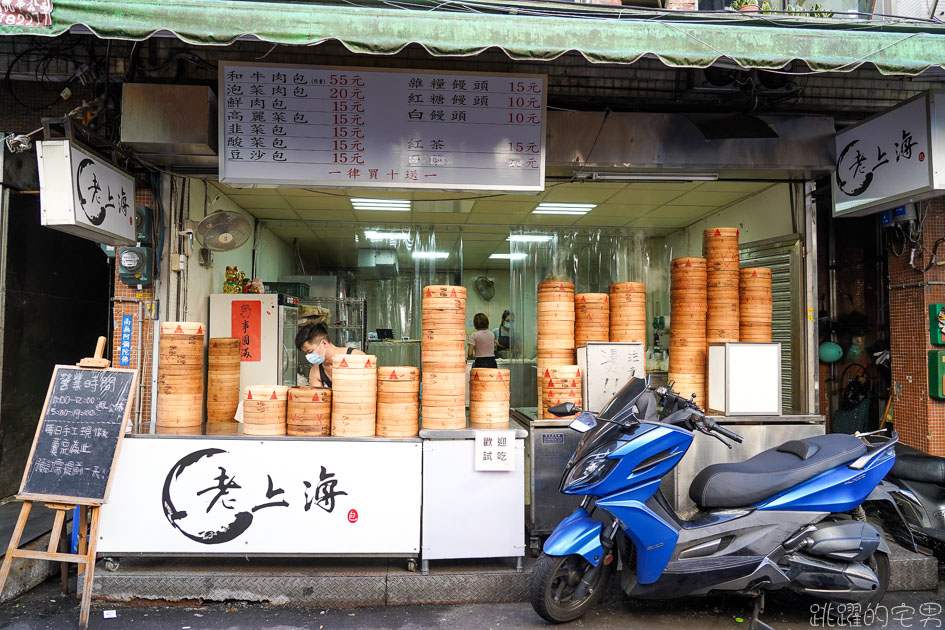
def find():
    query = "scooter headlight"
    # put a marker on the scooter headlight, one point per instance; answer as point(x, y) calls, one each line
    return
point(592, 468)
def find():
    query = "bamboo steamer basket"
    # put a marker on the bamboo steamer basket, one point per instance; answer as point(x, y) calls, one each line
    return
point(390, 388)
point(397, 374)
point(310, 394)
point(557, 327)
point(222, 428)
point(265, 430)
point(305, 430)
point(266, 392)
point(178, 430)
point(444, 291)
point(354, 362)
point(182, 328)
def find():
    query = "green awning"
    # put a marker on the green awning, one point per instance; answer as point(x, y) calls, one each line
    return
point(523, 30)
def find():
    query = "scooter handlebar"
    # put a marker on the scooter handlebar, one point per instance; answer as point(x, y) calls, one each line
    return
point(712, 426)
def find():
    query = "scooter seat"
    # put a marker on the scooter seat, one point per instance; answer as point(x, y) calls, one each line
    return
point(915, 465)
point(772, 471)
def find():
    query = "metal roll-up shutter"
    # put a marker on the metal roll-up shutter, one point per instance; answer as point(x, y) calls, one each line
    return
point(782, 256)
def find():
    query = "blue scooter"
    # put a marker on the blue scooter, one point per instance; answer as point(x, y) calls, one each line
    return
point(789, 517)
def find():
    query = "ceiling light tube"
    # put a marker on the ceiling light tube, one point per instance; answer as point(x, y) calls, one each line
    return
point(646, 177)
point(518, 256)
point(374, 235)
point(386, 205)
point(530, 238)
point(430, 255)
point(577, 213)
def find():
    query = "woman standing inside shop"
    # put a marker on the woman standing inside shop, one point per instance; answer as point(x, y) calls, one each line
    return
point(503, 336)
point(481, 344)
point(312, 339)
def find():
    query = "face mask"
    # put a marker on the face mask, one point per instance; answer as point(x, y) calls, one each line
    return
point(314, 358)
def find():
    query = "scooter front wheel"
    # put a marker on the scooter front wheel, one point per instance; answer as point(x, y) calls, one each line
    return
point(556, 590)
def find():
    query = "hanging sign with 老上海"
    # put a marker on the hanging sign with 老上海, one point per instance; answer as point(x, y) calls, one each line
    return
point(355, 127)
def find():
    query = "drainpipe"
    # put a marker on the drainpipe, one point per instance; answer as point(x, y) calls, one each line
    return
point(140, 345)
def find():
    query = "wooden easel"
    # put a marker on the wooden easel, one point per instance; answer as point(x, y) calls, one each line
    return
point(85, 559)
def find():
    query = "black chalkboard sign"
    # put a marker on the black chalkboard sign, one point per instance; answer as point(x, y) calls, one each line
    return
point(78, 436)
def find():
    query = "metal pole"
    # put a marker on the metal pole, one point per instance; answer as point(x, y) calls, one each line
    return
point(810, 267)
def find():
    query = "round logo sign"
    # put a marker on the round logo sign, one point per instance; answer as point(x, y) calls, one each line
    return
point(922, 156)
point(352, 516)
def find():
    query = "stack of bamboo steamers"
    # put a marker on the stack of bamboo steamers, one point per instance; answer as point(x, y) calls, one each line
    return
point(354, 395)
point(308, 413)
point(398, 401)
point(443, 357)
point(628, 312)
point(223, 385)
point(180, 378)
point(489, 398)
point(264, 410)
point(713, 301)
point(720, 249)
point(755, 304)
point(591, 318)
point(556, 315)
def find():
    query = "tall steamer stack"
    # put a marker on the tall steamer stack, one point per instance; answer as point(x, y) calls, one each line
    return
point(720, 249)
point(628, 312)
point(180, 378)
point(556, 315)
point(443, 357)
point(755, 305)
point(687, 349)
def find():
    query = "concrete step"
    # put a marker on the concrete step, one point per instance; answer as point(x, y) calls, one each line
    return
point(345, 582)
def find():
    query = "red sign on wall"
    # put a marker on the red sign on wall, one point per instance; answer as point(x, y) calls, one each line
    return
point(246, 325)
point(35, 13)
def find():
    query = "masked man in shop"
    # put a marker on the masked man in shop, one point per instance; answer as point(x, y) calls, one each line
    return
point(312, 339)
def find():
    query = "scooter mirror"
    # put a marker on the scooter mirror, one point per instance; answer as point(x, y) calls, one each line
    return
point(564, 409)
point(583, 423)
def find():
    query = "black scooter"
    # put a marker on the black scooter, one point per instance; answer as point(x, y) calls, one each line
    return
point(919, 493)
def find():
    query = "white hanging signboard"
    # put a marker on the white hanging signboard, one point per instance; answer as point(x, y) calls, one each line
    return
point(495, 450)
point(891, 159)
point(84, 195)
point(289, 125)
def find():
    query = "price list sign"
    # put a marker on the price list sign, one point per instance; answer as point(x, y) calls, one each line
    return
point(79, 434)
point(353, 128)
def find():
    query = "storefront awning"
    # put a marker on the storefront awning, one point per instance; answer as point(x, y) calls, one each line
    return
point(523, 30)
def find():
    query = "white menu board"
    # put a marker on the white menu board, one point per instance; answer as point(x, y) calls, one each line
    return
point(290, 125)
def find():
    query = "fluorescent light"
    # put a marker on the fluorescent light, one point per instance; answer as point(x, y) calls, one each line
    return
point(529, 238)
point(431, 255)
point(518, 256)
point(564, 208)
point(374, 235)
point(383, 205)
point(577, 213)
point(646, 177)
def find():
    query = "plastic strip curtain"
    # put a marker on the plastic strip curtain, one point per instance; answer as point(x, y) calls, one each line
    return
point(591, 258)
point(395, 262)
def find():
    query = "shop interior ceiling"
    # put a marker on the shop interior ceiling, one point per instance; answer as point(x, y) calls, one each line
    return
point(328, 229)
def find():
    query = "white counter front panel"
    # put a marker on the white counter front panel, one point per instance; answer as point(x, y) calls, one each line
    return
point(278, 496)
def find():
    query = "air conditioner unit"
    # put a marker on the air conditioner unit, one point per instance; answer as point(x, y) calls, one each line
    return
point(921, 9)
